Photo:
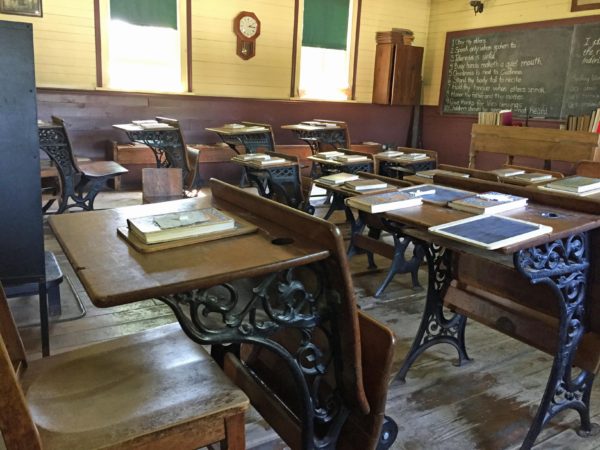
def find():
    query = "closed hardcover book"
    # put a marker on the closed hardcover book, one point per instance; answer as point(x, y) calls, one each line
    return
point(329, 155)
point(179, 225)
point(390, 153)
point(508, 172)
point(435, 194)
point(267, 162)
point(251, 156)
point(337, 178)
point(365, 185)
point(350, 158)
point(488, 203)
point(378, 203)
point(412, 156)
point(576, 194)
point(575, 184)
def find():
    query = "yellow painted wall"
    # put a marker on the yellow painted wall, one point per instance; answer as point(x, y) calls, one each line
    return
point(453, 15)
point(63, 43)
point(383, 15)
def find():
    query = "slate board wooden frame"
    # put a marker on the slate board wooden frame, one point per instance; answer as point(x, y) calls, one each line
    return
point(583, 5)
point(505, 28)
point(21, 7)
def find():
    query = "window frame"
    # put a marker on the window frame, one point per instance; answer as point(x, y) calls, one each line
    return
point(102, 16)
point(356, 7)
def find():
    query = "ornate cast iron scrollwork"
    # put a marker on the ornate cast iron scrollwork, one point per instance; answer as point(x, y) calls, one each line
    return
point(435, 327)
point(294, 301)
point(563, 266)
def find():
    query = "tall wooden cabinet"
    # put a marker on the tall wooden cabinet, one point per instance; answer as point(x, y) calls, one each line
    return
point(397, 79)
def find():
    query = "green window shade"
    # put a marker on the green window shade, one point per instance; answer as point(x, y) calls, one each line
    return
point(149, 13)
point(326, 23)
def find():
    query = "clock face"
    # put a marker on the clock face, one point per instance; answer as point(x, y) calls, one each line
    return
point(248, 26)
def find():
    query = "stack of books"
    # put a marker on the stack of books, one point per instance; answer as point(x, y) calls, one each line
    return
point(387, 201)
point(362, 185)
point(507, 172)
point(179, 225)
point(337, 178)
point(430, 173)
point(258, 159)
point(151, 124)
point(528, 178)
point(488, 203)
point(576, 185)
point(345, 158)
point(329, 155)
point(390, 153)
point(585, 122)
point(412, 156)
point(503, 117)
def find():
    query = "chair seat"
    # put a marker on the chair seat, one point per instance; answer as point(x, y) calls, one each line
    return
point(121, 391)
point(95, 169)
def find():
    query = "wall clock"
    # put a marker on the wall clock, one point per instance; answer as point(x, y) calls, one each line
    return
point(246, 27)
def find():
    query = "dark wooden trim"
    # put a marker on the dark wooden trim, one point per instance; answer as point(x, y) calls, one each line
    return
point(576, 7)
point(188, 20)
point(504, 28)
point(294, 48)
point(98, 41)
point(356, 41)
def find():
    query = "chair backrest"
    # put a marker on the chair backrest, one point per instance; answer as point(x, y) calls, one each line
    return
point(335, 139)
point(16, 424)
point(270, 144)
point(475, 173)
point(181, 156)
point(588, 168)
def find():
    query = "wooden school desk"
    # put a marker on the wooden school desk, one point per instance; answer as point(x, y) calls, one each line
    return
point(285, 288)
point(536, 290)
point(320, 137)
point(252, 136)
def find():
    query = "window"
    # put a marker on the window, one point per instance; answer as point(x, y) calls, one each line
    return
point(144, 45)
point(325, 52)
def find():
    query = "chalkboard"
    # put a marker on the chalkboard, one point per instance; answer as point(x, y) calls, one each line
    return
point(543, 69)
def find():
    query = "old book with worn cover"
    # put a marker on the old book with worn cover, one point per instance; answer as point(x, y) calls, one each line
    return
point(437, 195)
point(507, 172)
point(179, 225)
point(575, 184)
point(430, 173)
point(387, 201)
point(361, 185)
point(490, 232)
point(337, 178)
point(488, 203)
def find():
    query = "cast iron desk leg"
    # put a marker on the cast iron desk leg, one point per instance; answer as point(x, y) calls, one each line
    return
point(563, 266)
point(435, 328)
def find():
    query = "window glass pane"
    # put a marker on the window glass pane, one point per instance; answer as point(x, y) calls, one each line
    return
point(325, 24)
point(324, 74)
point(155, 13)
point(144, 58)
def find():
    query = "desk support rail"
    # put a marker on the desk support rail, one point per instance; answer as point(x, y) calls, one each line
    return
point(563, 266)
point(280, 302)
point(435, 327)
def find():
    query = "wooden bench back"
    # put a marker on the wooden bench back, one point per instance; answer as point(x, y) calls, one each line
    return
point(539, 143)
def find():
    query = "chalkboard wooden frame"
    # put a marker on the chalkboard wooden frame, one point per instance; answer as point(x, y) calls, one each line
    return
point(505, 28)
point(576, 6)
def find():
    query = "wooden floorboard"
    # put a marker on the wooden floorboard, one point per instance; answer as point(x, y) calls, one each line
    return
point(487, 403)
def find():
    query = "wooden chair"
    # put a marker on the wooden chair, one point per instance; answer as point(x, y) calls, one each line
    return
point(79, 183)
point(588, 168)
point(179, 155)
point(152, 390)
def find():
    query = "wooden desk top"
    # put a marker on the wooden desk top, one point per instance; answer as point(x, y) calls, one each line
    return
point(128, 127)
point(304, 127)
point(228, 131)
point(563, 222)
point(114, 273)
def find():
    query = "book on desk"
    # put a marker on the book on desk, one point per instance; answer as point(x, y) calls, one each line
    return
point(490, 232)
point(362, 185)
point(436, 194)
point(179, 225)
point(383, 202)
point(337, 178)
point(528, 178)
point(488, 203)
point(432, 172)
point(576, 184)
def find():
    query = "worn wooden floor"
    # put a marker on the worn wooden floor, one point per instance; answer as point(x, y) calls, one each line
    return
point(486, 404)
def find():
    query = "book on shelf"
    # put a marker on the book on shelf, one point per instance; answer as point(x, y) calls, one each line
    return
point(577, 183)
point(490, 232)
point(386, 201)
point(179, 225)
point(507, 172)
point(390, 153)
point(338, 178)
point(412, 156)
point(430, 173)
point(350, 158)
point(488, 203)
point(362, 185)
point(435, 194)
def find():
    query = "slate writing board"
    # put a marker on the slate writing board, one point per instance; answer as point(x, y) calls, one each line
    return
point(543, 69)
